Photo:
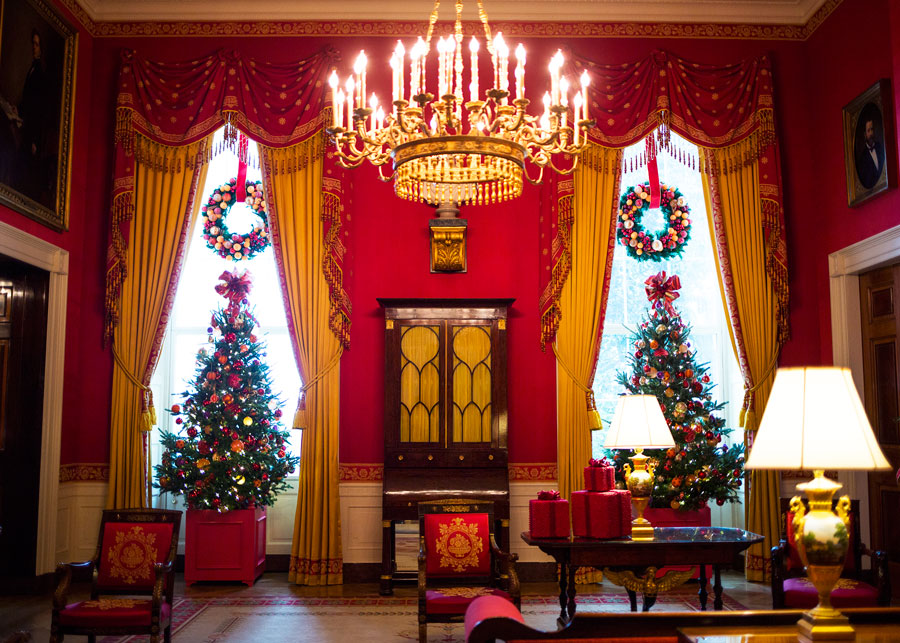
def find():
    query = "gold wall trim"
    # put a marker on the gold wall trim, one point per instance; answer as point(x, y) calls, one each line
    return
point(360, 472)
point(392, 29)
point(534, 472)
point(89, 472)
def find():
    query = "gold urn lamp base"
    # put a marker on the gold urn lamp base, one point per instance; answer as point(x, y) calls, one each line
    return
point(822, 541)
point(639, 480)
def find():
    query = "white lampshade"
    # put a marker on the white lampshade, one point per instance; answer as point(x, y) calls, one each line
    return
point(815, 420)
point(638, 423)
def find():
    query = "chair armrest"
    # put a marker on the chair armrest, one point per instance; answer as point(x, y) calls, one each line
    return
point(422, 577)
point(64, 580)
point(509, 575)
point(161, 571)
point(882, 579)
point(779, 553)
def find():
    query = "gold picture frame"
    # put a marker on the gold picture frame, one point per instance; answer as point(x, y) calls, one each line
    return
point(38, 51)
point(870, 156)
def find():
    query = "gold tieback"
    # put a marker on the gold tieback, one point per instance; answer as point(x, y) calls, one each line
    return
point(594, 420)
point(148, 412)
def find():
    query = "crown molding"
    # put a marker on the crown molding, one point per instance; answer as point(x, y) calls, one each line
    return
point(763, 12)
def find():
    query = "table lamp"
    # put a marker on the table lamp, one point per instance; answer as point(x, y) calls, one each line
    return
point(815, 420)
point(638, 424)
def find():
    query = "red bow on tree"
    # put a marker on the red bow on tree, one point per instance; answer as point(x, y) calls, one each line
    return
point(235, 287)
point(549, 495)
point(662, 292)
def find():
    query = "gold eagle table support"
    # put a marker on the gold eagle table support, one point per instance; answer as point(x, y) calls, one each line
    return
point(648, 584)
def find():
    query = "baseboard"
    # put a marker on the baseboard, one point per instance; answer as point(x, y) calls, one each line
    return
point(361, 572)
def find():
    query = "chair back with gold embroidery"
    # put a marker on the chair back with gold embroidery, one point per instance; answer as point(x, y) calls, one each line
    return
point(131, 542)
point(456, 538)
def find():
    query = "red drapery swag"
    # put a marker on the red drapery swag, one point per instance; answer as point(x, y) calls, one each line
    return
point(713, 106)
point(174, 104)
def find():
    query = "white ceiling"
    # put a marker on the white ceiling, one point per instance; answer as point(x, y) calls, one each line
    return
point(776, 12)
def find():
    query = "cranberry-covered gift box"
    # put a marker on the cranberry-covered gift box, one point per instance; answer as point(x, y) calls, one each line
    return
point(601, 514)
point(599, 475)
point(548, 516)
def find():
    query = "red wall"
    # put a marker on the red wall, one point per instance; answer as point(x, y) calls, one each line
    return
point(844, 57)
point(390, 240)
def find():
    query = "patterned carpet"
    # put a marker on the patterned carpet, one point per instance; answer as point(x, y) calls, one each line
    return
point(264, 619)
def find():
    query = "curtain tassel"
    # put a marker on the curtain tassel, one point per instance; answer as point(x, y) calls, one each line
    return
point(594, 421)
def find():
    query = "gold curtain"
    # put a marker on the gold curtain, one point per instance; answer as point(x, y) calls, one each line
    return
point(166, 182)
point(293, 180)
point(731, 186)
point(582, 301)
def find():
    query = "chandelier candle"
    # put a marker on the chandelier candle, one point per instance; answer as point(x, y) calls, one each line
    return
point(445, 149)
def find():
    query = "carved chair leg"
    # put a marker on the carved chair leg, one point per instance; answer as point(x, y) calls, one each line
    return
point(167, 634)
point(423, 633)
point(92, 638)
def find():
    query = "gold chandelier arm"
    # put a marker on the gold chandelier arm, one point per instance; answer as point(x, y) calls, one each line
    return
point(383, 177)
point(536, 181)
point(482, 15)
point(563, 172)
point(431, 21)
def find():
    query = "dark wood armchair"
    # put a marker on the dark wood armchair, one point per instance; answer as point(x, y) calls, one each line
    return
point(459, 560)
point(791, 589)
point(133, 579)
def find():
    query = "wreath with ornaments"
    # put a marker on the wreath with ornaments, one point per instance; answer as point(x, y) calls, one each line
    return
point(219, 238)
point(663, 244)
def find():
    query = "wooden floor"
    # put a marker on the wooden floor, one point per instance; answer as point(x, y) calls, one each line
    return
point(32, 613)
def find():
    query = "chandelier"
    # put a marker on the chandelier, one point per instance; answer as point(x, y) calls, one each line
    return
point(444, 149)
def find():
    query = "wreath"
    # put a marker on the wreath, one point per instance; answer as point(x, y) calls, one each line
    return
point(664, 244)
point(216, 233)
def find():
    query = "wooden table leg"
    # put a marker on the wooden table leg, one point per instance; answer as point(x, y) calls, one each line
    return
point(632, 598)
point(703, 593)
point(563, 571)
point(571, 591)
point(717, 588)
point(386, 586)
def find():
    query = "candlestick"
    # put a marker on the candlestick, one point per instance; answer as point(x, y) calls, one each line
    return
point(473, 85)
point(564, 91)
point(359, 68)
point(585, 81)
point(503, 56)
point(578, 103)
point(339, 108)
point(333, 83)
point(520, 71)
point(400, 53)
point(349, 86)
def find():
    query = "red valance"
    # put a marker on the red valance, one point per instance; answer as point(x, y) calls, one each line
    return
point(162, 105)
point(710, 105)
point(276, 104)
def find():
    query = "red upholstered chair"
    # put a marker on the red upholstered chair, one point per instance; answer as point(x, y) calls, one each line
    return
point(133, 578)
point(792, 589)
point(459, 561)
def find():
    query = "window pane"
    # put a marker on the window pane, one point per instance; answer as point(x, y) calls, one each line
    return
point(196, 299)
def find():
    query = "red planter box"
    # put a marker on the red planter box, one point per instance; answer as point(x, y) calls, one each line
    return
point(675, 518)
point(225, 546)
point(548, 518)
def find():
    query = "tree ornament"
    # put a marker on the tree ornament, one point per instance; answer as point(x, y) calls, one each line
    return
point(248, 421)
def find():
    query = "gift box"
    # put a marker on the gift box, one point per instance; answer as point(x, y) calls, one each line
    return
point(548, 516)
point(599, 476)
point(601, 514)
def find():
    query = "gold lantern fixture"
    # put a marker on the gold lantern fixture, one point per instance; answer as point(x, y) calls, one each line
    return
point(444, 149)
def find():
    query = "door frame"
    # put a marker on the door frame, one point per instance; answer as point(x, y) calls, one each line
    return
point(844, 268)
point(29, 249)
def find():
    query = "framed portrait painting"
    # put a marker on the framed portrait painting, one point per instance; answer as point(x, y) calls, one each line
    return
point(870, 155)
point(37, 95)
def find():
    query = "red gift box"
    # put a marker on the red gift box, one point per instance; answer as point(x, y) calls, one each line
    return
point(601, 514)
point(599, 478)
point(548, 518)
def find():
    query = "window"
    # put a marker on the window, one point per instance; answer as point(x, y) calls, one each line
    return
point(196, 298)
point(699, 304)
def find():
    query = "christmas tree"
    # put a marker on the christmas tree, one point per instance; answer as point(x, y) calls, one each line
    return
point(702, 466)
point(229, 450)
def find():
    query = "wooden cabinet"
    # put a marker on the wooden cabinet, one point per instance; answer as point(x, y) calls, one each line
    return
point(444, 409)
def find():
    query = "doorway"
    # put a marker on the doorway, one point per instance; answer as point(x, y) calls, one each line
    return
point(879, 299)
point(24, 292)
